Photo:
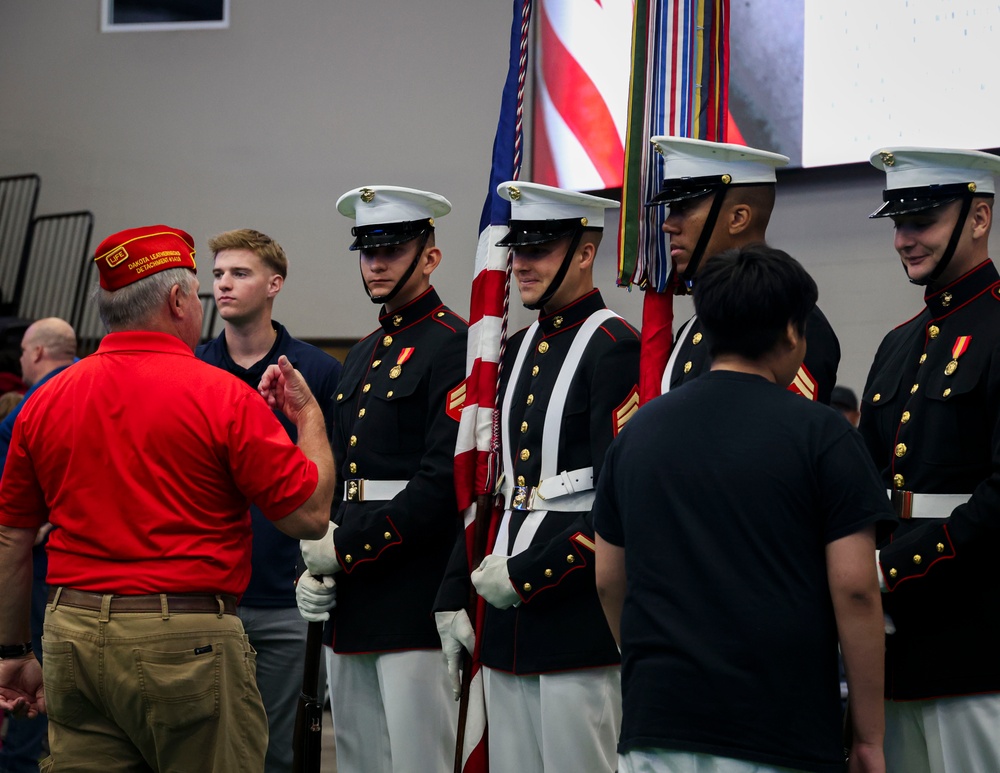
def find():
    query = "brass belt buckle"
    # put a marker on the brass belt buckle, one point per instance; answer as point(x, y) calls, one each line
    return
point(902, 503)
point(355, 490)
point(520, 497)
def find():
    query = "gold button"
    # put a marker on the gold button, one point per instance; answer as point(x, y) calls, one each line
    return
point(548, 572)
point(940, 547)
point(387, 341)
point(439, 314)
point(376, 363)
point(366, 387)
point(534, 371)
point(557, 322)
point(901, 450)
point(348, 558)
point(917, 559)
point(389, 393)
point(696, 339)
point(946, 392)
point(893, 572)
point(524, 428)
point(361, 413)
point(397, 320)
point(898, 480)
point(527, 587)
point(905, 417)
point(387, 535)
point(543, 347)
point(876, 397)
point(531, 399)
point(570, 559)
point(367, 546)
point(352, 467)
point(923, 358)
point(525, 455)
point(354, 440)
point(520, 480)
point(687, 366)
point(933, 331)
point(914, 388)
point(340, 396)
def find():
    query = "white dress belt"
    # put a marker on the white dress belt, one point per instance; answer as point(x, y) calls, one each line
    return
point(909, 505)
point(569, 491)
point(361, 490)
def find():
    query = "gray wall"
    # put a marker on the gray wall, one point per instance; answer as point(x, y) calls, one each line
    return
point(267, 123)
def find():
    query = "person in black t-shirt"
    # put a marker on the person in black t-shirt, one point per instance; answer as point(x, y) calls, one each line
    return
point(731, 556)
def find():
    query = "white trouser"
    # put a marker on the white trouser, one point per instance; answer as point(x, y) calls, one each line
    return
point(551, 723)
point(392, 712)
point(666, 761)
point(946, 735)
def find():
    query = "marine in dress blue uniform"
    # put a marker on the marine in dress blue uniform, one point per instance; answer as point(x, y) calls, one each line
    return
point(397, 411)
point(568, 385)
point(931, 419)
point(720, 196)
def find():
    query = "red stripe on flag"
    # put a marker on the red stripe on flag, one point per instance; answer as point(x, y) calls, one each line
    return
point(581, 105)
point(543, 168)
point(487, 294)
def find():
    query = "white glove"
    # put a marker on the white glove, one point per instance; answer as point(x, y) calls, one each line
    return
point(316, 596)
point(878, 571)
point(456, 632)
point(492, 581)
point(320, 555)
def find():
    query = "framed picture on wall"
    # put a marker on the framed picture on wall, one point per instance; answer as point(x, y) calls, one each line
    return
point(146, 15)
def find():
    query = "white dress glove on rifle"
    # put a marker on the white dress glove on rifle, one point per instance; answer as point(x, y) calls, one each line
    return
point(492, 581)
point(320, 555)
point(316, 596)
point(456, 632)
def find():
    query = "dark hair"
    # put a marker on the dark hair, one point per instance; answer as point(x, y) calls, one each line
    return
point(843, 398)
point(746, 297)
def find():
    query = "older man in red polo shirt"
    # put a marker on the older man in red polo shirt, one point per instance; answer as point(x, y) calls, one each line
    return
point(147, 460)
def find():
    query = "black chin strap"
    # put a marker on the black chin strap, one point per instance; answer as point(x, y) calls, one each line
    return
point(687, 278)
point(956, 234)
point(402, 280)
point(560, 275)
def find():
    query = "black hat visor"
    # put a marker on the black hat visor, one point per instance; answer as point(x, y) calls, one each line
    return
point(525, 232)
point(387, 234)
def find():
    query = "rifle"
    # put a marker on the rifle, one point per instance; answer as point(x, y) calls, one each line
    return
point(308, 739)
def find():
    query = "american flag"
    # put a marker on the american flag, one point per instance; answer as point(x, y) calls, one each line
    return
point(477, 449)
point(680, 79)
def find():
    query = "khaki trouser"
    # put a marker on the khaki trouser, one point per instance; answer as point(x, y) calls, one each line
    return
point(150, 691)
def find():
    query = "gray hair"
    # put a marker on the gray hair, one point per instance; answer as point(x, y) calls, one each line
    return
point(129, 307)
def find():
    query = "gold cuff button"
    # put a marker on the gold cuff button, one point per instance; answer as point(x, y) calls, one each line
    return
point(570, 559)
point(527, 587)
point(387, 535)
point(389, 393)
point(368, 547)
point(917, 559)
point(940, 547)
point(893, 572)
point(548, 572)
point(340, 396)
point(348, 559)
point(946, 392)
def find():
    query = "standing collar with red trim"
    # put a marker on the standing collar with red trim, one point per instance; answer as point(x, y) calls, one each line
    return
point(415, 310)
point(971, 284)
point(572, 314)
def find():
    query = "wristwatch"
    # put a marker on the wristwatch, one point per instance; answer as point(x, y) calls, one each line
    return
point(15, 650)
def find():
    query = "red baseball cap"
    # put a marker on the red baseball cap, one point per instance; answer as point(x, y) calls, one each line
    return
point(135, 253)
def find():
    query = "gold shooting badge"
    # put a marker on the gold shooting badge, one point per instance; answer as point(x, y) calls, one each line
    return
point(960, 347)
point(404, 355)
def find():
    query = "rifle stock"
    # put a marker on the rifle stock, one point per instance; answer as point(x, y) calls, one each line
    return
point(308, 740)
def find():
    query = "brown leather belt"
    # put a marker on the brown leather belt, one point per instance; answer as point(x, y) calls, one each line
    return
point(171, 603)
